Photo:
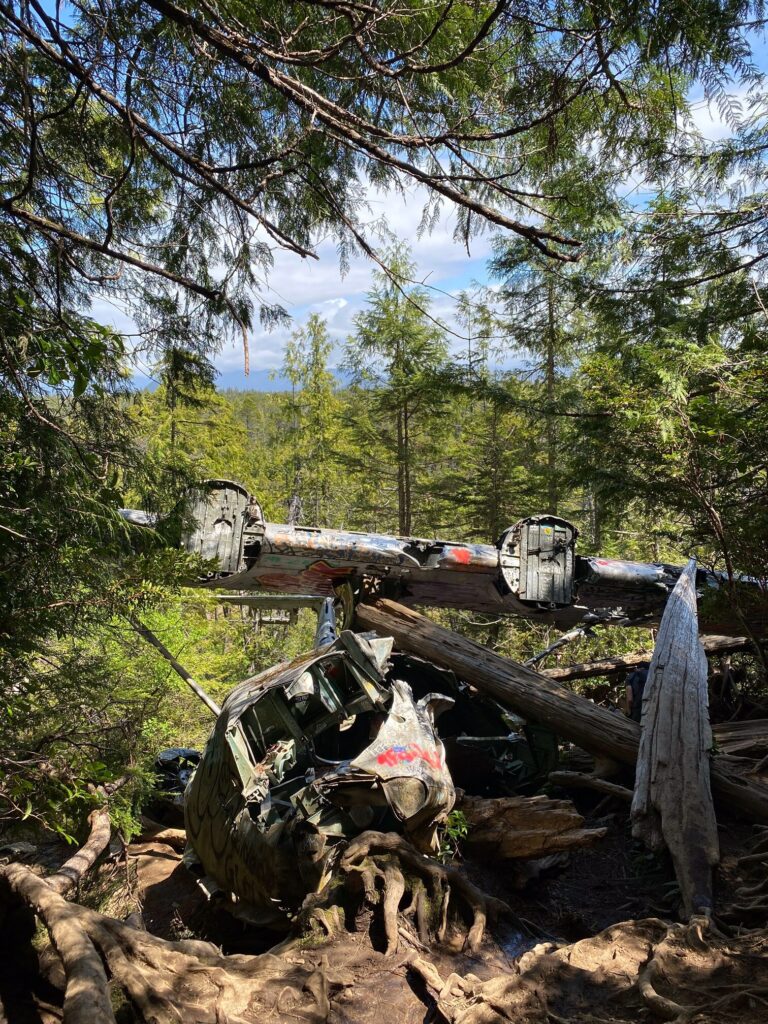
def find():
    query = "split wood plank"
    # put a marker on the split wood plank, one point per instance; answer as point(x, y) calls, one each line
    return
point(672, 806)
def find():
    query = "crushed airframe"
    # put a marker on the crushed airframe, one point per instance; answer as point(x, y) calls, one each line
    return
point(307, 755)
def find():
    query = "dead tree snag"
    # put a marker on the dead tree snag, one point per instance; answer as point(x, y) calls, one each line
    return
point(672, 805)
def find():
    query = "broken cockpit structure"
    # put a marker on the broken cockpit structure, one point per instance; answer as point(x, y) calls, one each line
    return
point(348, 738)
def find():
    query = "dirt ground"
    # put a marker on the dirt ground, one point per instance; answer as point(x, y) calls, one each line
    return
point(614, 884)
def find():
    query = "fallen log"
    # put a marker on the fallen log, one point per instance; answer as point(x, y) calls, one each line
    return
point(745, 738)
point(523, 827)
point(672, 806)
point(579, 780)
point(713, 645)
point(540, 699)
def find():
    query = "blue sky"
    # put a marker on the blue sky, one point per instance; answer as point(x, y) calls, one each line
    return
point(303, 287)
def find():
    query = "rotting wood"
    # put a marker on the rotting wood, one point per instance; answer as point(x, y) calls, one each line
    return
point(524, 827)
point(540, 699)
point(713, 645)
point(580, 780)
point(672, 805)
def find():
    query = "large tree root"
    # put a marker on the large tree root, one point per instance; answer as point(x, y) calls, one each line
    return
point(749, 905)
point(380, 868)
point(166, 982)
point(687, 974)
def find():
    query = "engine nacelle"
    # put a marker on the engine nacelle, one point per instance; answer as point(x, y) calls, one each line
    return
point(537, 560)
point(225, 524)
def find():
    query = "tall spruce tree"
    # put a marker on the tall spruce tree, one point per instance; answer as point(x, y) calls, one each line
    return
point(395, 354)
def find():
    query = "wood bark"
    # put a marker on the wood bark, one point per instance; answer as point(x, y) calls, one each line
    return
point(522, 827)
point(70, 873)
point(712, 645)
point(86, 999)
point(540, 699)
point(672, 805)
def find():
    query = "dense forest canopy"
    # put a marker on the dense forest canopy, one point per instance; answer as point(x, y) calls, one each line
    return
point(158, 154)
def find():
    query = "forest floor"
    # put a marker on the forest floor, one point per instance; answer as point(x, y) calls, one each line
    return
point(586, 934)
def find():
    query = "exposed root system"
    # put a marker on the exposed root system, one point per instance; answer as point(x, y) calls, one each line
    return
point(381, 869)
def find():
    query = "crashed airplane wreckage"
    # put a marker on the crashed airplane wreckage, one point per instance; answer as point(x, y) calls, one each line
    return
point(306, 756)
point(533, 571)
point(309, 757)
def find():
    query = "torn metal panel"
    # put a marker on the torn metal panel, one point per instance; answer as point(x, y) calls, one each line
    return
point(346, 738)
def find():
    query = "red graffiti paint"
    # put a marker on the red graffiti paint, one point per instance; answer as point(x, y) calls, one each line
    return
point(411, 752)
point(461, 555)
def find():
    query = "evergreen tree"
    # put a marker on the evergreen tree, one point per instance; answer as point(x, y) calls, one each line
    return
point(313, 423)
point(395, 355)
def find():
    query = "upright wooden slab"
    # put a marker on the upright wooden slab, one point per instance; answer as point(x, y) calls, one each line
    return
point(672, 805)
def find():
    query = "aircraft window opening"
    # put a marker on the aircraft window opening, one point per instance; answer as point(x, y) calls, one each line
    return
point(259, 735)
point(336, 744)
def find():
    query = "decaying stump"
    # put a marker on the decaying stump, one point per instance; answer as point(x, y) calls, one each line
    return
point(543, 700)
point(672, 805)
point(520, 827)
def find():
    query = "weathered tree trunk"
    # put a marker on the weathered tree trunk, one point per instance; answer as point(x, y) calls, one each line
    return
point(540, 699)
point(712, 645)
point(672, 805)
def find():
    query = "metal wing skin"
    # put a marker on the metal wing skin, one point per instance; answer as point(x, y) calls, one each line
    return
point(533, 571)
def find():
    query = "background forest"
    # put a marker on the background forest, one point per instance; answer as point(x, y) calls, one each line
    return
point(147, 155)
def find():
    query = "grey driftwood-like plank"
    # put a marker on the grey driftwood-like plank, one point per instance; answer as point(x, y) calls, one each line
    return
point(672, 805)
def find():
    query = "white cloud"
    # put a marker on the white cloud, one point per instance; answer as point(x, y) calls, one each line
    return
point(304, 286)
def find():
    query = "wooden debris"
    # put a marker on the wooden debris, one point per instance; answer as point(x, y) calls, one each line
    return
point(540, 699)
point(523, 827)
point(713, 645)
point(672, 805)
point(744, 738)
point(580, 780)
